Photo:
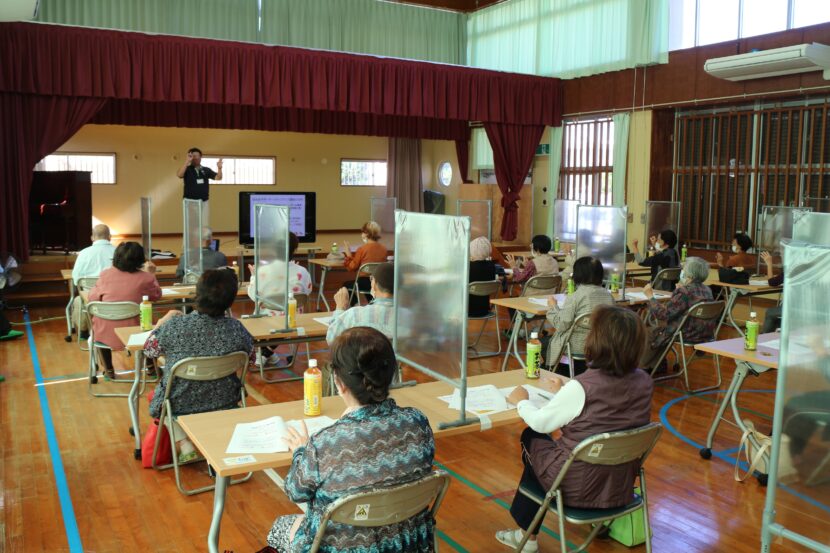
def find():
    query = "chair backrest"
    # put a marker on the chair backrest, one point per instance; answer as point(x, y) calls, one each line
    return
point(702, 311)
point(190, 278)
point(668, 275)
point(86, 283)
point(386, 506)
point(209, 368)
point(113, 310)
point(583, 323)
point(613, 448)
point(368, 268)
point(484, 287)
point(542, 284)
point(302, 302)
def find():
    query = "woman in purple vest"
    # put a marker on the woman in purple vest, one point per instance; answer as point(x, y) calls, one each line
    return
point(613, 394)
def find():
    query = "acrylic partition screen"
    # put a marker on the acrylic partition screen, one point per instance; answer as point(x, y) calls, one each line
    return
point(564, 220)
point(192, 231)
point(802, 482)
point(480, 213)
point(146, 227)
point(383, 213)
point(662, 216)
point(601, 233)
point(271, 224)
point(431, 293)
point(775, 223)
point(813, 228)
point(822, 205)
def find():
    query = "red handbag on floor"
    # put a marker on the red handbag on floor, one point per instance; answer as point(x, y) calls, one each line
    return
point(165, 453)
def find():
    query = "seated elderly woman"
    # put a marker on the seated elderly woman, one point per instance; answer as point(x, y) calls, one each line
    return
point(482, 269)
point(204, 332)
point(374, 444)
point(668, 314)
point(613, 394)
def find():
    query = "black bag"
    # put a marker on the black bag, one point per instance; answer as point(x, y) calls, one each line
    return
point(731, 276)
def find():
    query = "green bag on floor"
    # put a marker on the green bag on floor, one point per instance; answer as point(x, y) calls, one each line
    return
point(628, 530)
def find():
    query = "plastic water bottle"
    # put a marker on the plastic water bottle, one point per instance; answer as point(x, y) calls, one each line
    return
point(312, 389)
point(571, 284)
point(235, 268)
point(683, 252)
point(146, 313)
point(556, 244)
point(292, 311)
point(751, 338)
point(534, 356)
point(334, 248)
point(615, 282)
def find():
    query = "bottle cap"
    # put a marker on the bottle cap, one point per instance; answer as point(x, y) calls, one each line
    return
point(291, 294)
point(312, 363)
point(752, 314)
point(235, 263)
point(145, 298)
point(534, 335)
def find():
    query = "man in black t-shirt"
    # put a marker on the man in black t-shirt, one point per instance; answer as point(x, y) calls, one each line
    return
point(197, 180)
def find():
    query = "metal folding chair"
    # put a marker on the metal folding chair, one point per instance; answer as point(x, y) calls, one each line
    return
point(489, 288)
point(108, 311)
point(666, 279)
point(537, 286)
point(201, 369)
point(583, 324)
point(365, 269)
point(703, 311)
point(385, 506)
point(610, 449)
point(85, 284)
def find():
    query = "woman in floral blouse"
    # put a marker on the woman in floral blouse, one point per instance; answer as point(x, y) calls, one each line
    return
point(690, 290)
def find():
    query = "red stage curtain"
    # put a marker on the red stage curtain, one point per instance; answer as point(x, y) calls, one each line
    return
point(74, 61)
point(219, 116)
point(462, 152)
point(513, 149)
point(30, 128)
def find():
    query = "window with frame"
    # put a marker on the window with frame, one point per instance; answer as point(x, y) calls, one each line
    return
point(731, 163)
point(587, 161)
point(244, 170)
point(362, 172)
point(101, 165)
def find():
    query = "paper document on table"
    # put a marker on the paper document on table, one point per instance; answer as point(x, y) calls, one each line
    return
point(178, 290)
point(313, 425)
point(797, 348)
point(538, 397)
point(480, 399)
point(637, 296)
point(325, 321)
point(539, 301)
point(758, 282)
point(266, 436)
point(138, 339)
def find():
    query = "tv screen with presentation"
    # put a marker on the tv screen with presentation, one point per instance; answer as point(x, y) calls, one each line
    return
point(302, 213)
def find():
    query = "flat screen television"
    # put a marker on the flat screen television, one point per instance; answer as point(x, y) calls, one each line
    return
point(302, 213)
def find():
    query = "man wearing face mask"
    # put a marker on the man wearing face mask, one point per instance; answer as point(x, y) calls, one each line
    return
point(197, 180)
point(372, 251)
point(741, 244)
point(665, 256)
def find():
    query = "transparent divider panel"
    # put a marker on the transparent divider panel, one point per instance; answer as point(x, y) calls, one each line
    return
point(271, 227)
point(147, 227)
point(775, 223)
point(383, 213)
point(192, 248)
point(811, 227)
point(662, 216)
point(431, 293)
point(601, 233)
point(821, 205)
point(802, 483)
point(564, 220)
point(480, 213)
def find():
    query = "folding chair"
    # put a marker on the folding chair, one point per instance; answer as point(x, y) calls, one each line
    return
point(108, 311)
point(365, 269)
point(385, 506)
point(487, 288)
point(302, 306)
point(85, 284)
point(610, 448)
point(539, 285)
point(201, 369)
point(703, 311)
point(666, 279)
point(582, 323)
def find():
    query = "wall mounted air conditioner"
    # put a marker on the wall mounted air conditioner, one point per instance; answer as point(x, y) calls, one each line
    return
point(799, 58)
point(18, 10)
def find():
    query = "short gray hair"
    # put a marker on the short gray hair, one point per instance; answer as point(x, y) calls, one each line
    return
point(207, 234)
point(696, 269)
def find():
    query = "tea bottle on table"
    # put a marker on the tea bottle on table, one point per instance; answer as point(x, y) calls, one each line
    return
point(534, 356)
point(751, 337)
point(146, 313)
point(312, 390)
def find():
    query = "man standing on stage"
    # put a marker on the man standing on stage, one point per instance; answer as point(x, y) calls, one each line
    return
point(196, 180)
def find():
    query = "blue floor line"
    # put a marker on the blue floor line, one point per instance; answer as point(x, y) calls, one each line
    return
point(449, 541)
point(722, 455)
point(73, 536)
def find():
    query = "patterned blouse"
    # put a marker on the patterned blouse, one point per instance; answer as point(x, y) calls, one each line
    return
point(670, 314)
point(197, 335)
point(375, 446)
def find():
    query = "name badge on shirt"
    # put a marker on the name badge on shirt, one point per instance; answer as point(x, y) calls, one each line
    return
point(200, 181)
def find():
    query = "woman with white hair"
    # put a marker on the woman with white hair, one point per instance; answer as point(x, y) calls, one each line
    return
point(690, 290)
point(482, 268)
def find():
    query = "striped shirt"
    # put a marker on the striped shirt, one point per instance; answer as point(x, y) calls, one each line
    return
point(380, 315)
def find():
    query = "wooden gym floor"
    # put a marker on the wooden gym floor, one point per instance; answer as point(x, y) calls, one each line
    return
point(68, 476)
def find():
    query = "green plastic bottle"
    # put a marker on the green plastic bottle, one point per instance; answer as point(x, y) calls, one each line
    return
point(334, 247)
point(684, 251)
point(615, 282)
point(145, 313)
point(751, 338)
point(557, 245)
point(571, 285)
point(534, 356)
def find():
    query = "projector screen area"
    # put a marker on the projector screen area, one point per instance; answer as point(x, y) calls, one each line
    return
point(302, 213)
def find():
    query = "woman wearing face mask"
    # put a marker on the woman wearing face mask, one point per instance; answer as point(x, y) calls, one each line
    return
point(665, 256)
point(371, 251)
point(741, 244)
point(690, 290)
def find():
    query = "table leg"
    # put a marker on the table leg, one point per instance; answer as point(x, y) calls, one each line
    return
point(132, 401)
point(738, 377)
point(731, 319)
point(71, 285)
point(513, 343)
point(320, 290)
point(731, 297)
point(218, 508)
